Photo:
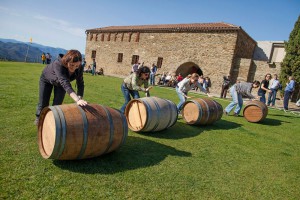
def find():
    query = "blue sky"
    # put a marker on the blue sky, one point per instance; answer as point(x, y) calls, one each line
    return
point(63, 23)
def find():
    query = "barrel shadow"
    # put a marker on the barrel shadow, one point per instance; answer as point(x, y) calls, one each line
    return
point(182, 130)
point(136, 153)
point(285, 115)
point(271, 122)
point(178, 131)
point(221, 125)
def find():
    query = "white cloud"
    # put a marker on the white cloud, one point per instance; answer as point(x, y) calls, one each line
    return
point(9, 11)
point(62, 25)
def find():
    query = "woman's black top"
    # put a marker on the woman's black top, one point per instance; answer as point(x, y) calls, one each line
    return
point(56, 74)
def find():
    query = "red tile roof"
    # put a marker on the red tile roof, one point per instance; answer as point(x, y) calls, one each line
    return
point(195, 27)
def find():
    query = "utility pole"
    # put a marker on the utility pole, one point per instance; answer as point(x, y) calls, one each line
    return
point(27, 53)
point(28, 49)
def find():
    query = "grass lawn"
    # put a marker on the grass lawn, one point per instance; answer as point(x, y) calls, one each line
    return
point(232, 159)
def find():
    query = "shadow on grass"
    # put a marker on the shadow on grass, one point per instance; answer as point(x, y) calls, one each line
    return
point(182, 130)
point(289, 115)
point(136, 153)
point(272, 122)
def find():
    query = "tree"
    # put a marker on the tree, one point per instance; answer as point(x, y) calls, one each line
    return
point(291, 62)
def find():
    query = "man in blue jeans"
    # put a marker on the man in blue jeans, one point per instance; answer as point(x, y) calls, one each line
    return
point(152, 74)
point(274, 88)
point(237, 91)
point(289, 89)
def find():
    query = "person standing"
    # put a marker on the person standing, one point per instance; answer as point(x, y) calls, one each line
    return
point(83, 63)
point(43, 58)
point(237, 91)
point(274, 86)
point(184, 86)
point(132, 84)
point(57, 76)
point(207, 84)
point(289, 89)
point(264, 87)
point(225, 86)
point(152, 74)
point(48, 58)
point(135, 67)
point(94, 67)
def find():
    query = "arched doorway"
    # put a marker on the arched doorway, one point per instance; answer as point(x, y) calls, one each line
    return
point(188, 68)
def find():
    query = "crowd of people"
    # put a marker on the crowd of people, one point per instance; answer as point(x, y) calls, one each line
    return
point(267, 92)
point(57, 76)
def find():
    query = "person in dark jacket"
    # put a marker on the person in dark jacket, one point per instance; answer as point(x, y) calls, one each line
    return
point(57, 76)
point(225, 86)
point(264, 88)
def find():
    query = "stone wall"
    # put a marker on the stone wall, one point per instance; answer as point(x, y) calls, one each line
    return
point(241, 62)
point(261, 68)
point(212, 52)
point(216, 53)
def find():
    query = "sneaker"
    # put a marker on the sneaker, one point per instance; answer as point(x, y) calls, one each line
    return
point(235, 114)
point(36, 121)
point(225, 113)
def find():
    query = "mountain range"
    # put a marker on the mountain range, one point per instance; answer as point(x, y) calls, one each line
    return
point(14, 50)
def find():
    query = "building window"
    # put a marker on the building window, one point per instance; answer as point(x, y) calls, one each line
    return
point(116, 35)
point(120, 57)
point(135, 59)
point(102, 37)
point(96, 38)
point(91, 37)
point(93, 54)
point(159, 62)
point(122, 38)
point(108, 37)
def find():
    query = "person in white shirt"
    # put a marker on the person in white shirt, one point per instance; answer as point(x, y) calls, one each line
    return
point(135, 67)
point(186, 85)
point(167, 79)
point(274, 86)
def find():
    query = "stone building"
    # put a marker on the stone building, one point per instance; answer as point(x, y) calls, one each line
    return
point(214, 49)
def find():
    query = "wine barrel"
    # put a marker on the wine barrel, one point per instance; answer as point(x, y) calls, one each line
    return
point(255, 111)
point(201, 111)
point(69, 132)
point(150, 114)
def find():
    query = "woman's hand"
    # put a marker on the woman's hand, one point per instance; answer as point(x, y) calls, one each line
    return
point(81, 102)
point(209, 95)
point(148, 88)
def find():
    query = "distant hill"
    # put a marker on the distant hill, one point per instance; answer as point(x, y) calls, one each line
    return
point(16, 51)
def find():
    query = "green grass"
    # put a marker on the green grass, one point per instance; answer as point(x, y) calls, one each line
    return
point(232, 159)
